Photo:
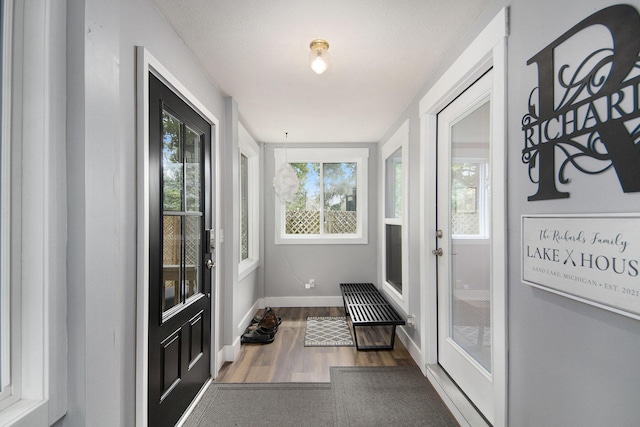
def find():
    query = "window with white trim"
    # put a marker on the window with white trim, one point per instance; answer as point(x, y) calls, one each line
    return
point(249, 184)
point(394, 231)
point(330, 206)
point(5, 307)
point(33, 336)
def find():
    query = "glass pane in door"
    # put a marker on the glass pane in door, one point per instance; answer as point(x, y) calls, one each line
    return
point(193, 171)
point(193, 249)
point(470, 311)
point(172, 171)
point(171, 261)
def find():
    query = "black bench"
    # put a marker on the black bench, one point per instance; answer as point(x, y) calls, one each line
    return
point(366, 306)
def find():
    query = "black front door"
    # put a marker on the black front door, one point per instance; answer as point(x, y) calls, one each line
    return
point(180, 254)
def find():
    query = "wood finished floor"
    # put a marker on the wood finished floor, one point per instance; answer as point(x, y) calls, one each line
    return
point(286, 359)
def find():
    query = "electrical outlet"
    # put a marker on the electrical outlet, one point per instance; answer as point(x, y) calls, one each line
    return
point(307, 286)
point(312, 283)
point(411, 321)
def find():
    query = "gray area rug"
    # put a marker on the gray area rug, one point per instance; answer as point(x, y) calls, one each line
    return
point(356, 397)
point(327, 332)
point(387, 396)
point(277, 404)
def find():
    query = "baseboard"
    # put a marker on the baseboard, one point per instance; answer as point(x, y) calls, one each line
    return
point(464, 412)
point(248, 317)
point(303, 301)
point(228, 353)
point(410, 345)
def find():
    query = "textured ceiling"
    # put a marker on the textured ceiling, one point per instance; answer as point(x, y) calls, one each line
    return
point(382, 53)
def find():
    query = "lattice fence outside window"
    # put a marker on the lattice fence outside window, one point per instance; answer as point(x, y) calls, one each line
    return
point(341, 222)
point(303, 222)
point(308, 222)
point(465, 223)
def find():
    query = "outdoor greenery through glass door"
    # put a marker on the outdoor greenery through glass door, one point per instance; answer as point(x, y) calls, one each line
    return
point(182, 212)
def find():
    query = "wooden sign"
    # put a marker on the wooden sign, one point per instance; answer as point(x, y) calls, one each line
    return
point(593, 259)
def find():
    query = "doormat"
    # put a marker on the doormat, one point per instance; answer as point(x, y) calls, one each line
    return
point(327, 332)
point(387, 396)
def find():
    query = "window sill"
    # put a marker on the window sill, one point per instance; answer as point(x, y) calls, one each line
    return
point(396, 297)
point(247, 267)
point(315, 240)
point(460, 239)
point(26, 413)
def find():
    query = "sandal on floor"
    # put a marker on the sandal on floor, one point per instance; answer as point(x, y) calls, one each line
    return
point(267, 312)
point(256, 337)
point(262, 330)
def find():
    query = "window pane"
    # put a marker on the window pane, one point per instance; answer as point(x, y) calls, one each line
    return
point(340, 198)
point(303, 213)
point(171, 257)
point(172, 171)
point(394, 256)
point(470, 288)
point(244, 207)
point(465, 187)
point(393, 185)
point(192, 160)
point(192, 253)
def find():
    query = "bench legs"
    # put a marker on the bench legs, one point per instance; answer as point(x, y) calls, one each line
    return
point(374, 347)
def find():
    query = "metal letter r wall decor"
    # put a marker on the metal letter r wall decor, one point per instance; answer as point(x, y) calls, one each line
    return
point(586, 109)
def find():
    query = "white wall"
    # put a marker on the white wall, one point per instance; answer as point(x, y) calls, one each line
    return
point(101, 154)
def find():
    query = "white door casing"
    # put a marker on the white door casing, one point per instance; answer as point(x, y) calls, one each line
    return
point(463, 308)
point(486, 51)
point(145, 64)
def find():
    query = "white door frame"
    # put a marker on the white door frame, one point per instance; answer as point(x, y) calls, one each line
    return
point(146, 63)
point(487, 50)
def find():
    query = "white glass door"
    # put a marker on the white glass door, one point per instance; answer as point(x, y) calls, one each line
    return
point(465, 243)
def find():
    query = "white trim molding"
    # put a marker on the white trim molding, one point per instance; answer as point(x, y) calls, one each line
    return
point(329, 301)
point(360, 156)
point(250, 149)
point(399, 140)
point(34, 144)
point(486, 51)
point(147, 63)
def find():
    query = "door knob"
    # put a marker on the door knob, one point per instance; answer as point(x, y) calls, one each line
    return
point(210, 264)
point(437, 252)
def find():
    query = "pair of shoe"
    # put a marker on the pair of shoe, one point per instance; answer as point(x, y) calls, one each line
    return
point(262, 328)
point(269, 320)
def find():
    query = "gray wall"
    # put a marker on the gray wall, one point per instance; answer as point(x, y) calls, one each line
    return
point(329, 265)
point(101, 151)
point(569, 363)
point(240, 296)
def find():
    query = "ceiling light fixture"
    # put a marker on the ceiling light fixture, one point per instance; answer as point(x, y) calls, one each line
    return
point(319, 56)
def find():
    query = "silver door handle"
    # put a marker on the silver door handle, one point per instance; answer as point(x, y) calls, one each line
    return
point(210, 264)
point(437, 252)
